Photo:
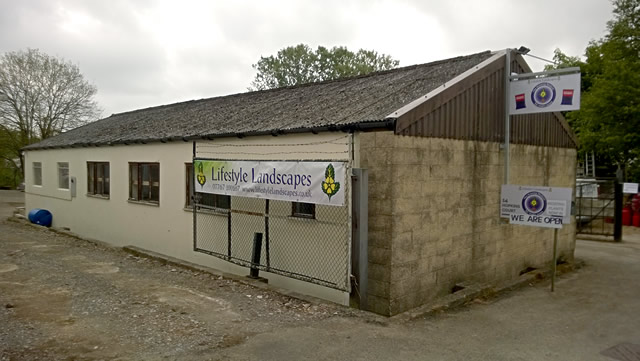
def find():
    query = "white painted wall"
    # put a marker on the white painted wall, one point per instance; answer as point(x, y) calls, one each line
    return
point(166, 228)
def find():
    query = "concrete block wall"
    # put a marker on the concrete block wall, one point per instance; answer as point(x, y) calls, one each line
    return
point(434, 215)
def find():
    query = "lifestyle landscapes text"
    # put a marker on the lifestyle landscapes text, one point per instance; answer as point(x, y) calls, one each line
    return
point(320, 182)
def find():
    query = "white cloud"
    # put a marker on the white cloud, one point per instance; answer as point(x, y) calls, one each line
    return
point(152, 52)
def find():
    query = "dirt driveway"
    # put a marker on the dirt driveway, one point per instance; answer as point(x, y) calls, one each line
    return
point(64, 298)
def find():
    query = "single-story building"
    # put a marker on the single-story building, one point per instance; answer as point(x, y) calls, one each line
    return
point(429, 136)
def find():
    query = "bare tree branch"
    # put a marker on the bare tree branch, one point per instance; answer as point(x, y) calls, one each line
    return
point(41, 96)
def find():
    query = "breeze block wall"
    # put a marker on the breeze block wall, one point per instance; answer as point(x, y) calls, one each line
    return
point(434, 215)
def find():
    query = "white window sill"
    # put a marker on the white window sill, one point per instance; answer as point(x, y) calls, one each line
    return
point(152, 204)
point(99, 196)
point(221, 213)
point(302, 218)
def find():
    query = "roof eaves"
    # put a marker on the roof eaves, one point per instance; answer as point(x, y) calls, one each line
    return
point(384, 124)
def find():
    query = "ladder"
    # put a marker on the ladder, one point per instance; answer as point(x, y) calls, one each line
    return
point(587, 168)
point(590, 165)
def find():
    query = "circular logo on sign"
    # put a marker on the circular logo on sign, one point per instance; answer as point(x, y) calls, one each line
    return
point(543, 95)
point(534, 203)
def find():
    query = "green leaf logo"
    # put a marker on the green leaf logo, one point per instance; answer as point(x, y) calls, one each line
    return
point(329, 186)
point(201, 178)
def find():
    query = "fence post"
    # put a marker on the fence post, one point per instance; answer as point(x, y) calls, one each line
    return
point(192, 194)
point(255, 255)
point(617, 216)
point(266, 234)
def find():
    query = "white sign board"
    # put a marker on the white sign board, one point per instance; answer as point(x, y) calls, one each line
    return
point(309, 182)
point(631, 188)
point(548, 94)
point(587, 190)
point(548, 207)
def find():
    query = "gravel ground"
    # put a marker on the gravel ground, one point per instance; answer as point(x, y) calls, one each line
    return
point(66, 299)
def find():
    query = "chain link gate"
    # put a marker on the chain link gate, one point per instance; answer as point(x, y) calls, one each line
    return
point(313, 246)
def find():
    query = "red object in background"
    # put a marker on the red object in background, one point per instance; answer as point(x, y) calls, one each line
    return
point(635, 203)
point(626, 216)
point(636, 219)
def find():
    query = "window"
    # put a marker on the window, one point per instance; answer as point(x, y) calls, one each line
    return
point(37, 173)
point(63, 175)
point(98, 178)
point(144, 182)
point(303, 210)
point(205, 199)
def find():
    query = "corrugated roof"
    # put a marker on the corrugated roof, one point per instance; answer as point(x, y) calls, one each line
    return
point(332, 104)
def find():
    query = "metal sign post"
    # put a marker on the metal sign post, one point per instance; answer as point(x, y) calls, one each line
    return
point(555, 250)
point(507, 121)
point(548, 91)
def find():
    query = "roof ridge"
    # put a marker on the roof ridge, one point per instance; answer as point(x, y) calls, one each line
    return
point(329, 105)
point(304, 85)
point(374, 73)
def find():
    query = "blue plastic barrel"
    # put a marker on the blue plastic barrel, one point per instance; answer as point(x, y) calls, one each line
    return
point(40, 216)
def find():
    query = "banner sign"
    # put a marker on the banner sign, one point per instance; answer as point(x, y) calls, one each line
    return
point(548, 94)
point(309, 182)
point(536, 206)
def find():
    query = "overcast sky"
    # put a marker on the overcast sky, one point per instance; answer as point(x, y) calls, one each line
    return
point(141, 53)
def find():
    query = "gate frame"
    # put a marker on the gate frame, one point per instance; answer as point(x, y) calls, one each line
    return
point(360, 231)
point(617, 207)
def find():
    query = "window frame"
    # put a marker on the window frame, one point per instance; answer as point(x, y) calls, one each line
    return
point(298, 214)
point(37, 176)
point(217, 201)
point(140, 183)
point(93, 181)
point(60, 168)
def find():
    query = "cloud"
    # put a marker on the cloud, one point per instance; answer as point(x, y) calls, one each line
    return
point(151, 52)
point(542, 25)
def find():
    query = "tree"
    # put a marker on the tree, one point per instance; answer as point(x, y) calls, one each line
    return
point(608, 122)
point(41, 96)
point(300, 64)
point(9, 166)
point(561, 61)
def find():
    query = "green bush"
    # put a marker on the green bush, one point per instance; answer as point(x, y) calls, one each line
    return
point(9, 177)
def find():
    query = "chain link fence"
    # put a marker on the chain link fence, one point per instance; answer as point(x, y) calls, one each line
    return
point(309, 242)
